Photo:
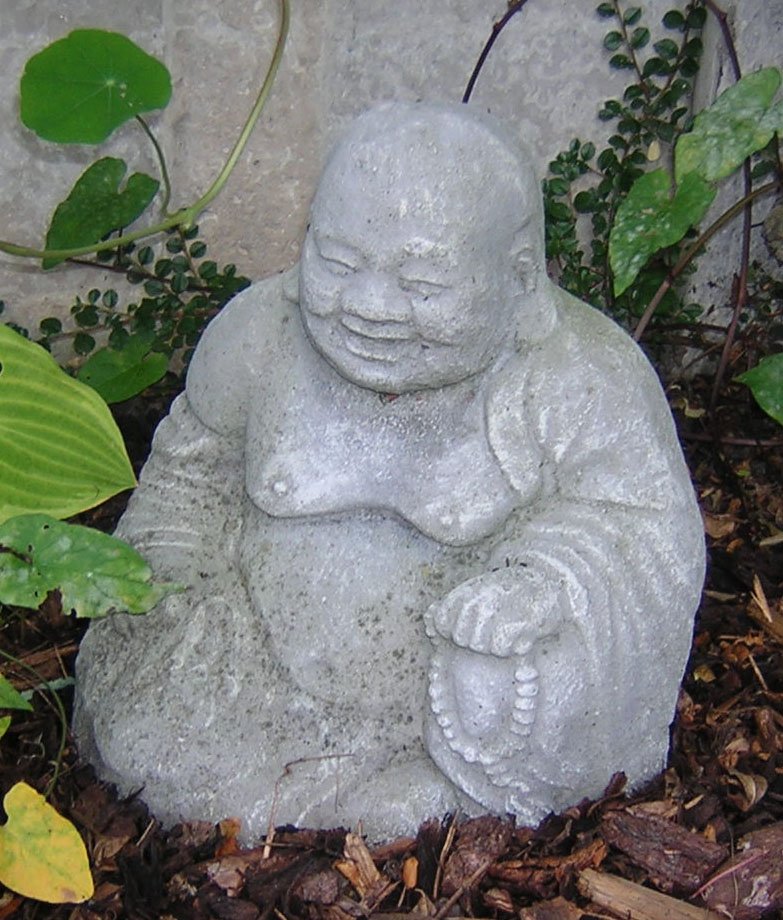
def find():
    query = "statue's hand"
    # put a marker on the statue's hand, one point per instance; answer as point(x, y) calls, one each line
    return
point(501, 613)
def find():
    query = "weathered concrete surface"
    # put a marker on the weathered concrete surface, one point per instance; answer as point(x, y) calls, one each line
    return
point(546, 77)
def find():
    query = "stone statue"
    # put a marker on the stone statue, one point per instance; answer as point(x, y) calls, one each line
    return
point(441, 545)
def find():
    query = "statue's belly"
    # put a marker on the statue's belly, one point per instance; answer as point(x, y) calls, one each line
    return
point(342, 598)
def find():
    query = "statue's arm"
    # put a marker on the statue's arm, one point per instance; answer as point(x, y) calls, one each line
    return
point(613, 529)
point(560, 663)
point(186, 509)
point(186, 512)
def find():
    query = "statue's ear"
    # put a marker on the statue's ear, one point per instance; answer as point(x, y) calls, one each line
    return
point(524, 257)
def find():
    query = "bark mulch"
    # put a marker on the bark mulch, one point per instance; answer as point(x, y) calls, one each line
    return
point(703, 840)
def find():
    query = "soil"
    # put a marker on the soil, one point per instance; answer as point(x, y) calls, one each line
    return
point(703, 839)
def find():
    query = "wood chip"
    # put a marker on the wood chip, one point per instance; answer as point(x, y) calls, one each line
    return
point(676, 859)
point(633, 902)
point(750, 883)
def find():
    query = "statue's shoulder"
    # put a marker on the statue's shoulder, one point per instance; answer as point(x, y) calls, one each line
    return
point(238, 347)
point(589, 358)
point(587, 373)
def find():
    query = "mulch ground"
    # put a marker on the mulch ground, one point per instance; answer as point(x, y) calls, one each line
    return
point(704, 839)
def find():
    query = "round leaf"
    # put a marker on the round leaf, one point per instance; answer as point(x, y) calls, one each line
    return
point(118, 375)
point(766, 383)
point(80, 88)
point(96, 206)
point(60, 449)
point(96, 574)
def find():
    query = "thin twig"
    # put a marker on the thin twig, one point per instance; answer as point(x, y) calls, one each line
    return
point(465, 886)
point(514, 7)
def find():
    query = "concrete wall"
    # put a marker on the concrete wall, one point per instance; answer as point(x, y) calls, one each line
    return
point(547, 76)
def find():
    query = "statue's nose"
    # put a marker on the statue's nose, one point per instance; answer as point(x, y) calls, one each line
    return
point(375, 298)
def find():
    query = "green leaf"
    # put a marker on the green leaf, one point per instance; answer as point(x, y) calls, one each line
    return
point(96, 206)
point(612, 41)
point(736, 125)
point(766, 384)
point(118, 375)
point(60, 449)
point(674, 20)
point(640, 37)
point(649, 220)
point(632, 15)
point(42, 855)
point(5, 724)
point(10, 698)
point(80, 88)
point(95, 573)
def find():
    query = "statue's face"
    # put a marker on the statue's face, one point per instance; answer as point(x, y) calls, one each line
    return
point(403, 288)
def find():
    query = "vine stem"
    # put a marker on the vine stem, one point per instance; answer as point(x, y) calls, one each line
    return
point(164, 172)
point(185, 217)
point(705, 237)
point(514, 7)
point(740, 287)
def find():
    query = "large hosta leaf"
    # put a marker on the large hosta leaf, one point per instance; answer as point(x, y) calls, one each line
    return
point(60, 449)
point(96, 205)
point(95, 574)
point(650, 219)
point(737, 124)
point(80, 88)
point(42, 855)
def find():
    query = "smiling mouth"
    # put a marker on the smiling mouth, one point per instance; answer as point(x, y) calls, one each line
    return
point(386, 351)
point(381, 343)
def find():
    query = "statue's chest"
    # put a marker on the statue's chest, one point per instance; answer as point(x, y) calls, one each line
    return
point(341, 599)
point(427, 461)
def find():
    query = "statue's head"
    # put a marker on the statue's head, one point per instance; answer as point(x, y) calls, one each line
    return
point(425, 249)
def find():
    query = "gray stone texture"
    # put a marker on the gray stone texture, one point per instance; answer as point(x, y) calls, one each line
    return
point(546, 78)
point(441, 544)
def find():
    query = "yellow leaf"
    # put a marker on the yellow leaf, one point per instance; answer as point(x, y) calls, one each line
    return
point(42, 855)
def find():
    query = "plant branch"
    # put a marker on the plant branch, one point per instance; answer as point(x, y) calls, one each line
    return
point(740, 287)
point(514, 6)
point(705, 237)
point(164, 172)
point(632, 50)
point(185, 217)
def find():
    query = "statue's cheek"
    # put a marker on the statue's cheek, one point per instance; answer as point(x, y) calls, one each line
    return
point(320, 293)
point(441, 318)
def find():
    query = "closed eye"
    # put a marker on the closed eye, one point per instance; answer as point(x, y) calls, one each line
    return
point(339, 267)
point(421, 287)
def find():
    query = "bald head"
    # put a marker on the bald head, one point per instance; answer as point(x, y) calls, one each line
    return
point(426, 232)
point(457, 170)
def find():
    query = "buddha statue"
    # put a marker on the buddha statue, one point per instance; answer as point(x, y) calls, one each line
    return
point(441, 547)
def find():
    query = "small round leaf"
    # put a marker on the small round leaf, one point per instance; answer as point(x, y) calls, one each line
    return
point(80, 88)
